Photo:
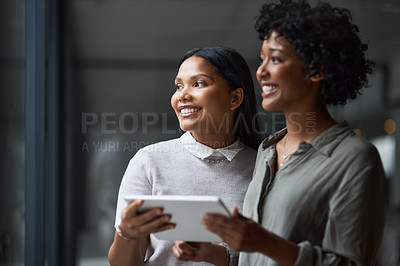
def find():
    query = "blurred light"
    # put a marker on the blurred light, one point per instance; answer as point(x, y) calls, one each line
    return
point(358, 132)
point(386, 146)
point(389, 126)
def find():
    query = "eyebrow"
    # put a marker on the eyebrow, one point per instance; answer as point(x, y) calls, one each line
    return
point(197, 76)
point(276, 50)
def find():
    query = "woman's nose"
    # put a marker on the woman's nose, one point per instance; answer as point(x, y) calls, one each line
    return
point(262, 70)
point(184, 94)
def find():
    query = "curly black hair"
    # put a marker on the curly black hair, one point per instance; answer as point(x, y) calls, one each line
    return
point(327, 42)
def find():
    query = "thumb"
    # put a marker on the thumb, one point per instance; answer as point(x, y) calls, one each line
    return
point(235, 212)
point(137, 203)
point(134, 206)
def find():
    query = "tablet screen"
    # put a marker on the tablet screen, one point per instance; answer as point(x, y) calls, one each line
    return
point(186, 212)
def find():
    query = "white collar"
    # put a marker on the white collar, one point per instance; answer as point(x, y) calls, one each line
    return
point(202, 151)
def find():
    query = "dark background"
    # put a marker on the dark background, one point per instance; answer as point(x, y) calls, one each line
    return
point(114, 64)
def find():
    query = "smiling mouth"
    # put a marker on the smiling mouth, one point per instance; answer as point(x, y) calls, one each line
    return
point(189, 111)
point(269, 88)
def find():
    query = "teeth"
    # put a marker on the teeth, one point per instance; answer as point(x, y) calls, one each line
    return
point(269, 88)
point(189, 110)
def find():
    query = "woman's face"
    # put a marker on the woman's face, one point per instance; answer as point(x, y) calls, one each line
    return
point(202, 100)
point(281, 76)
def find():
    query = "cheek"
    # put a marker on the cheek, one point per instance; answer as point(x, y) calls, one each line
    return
point(258, 73)
point(276, 71)
point(174, 100)
point(211, 101)
point(219, 104)
point(205, 96)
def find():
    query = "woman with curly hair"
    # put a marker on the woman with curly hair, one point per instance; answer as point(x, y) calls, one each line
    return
point(318, 194)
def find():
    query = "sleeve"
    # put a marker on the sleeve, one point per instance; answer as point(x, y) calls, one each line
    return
point(233, 255)
point(136, 180)
point(355, 223)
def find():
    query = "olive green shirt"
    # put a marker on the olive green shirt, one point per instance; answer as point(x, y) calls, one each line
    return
point(329, 198)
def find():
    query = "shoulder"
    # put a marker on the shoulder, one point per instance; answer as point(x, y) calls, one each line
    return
point(357, 148)
point(341, 144)
point(361, 161)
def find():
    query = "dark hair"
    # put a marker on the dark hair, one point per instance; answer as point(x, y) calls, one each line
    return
point(232, 66)
point(326, 41)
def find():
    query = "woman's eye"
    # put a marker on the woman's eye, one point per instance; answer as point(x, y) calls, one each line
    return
point(200, 84)
point(178, 86)
point(275, 59)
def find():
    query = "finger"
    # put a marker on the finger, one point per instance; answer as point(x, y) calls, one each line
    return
point(225, 227)
point(186, 248)
point(214, 219)
point(155, 225)
point(180, 254)
point(199, 245)
point(167, 226)
point(132, 210)
point(137, 203)
point(144, 218)
point(179, 243)
point(132, 207)
point(196, 245)
point(177, 253)
point(150, 215)
point(235, 212)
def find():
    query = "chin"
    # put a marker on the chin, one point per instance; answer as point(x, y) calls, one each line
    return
point(186, 127)
point(269, 107)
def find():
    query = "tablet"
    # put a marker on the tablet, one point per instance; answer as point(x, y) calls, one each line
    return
point(186, 212)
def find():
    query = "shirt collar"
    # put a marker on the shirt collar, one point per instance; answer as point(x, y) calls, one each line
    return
point(325, 143)
point(202, 151)
point(328, 140)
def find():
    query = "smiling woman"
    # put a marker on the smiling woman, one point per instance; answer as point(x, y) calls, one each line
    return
point(204, 103)
point(224, 73)
point(215, 157)
point(309, 202)
point(282, 77)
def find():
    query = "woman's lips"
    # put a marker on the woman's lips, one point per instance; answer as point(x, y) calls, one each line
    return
point(269, 89)
point(188, 111)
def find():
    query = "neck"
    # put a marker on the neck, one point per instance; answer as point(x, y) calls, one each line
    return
point(308, 124)
point(215, 141)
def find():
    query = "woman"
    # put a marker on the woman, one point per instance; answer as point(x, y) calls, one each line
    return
point(215, 104)
point(318, 194)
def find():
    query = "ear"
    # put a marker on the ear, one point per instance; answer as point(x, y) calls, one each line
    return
point(237, 97)
point(317, 76)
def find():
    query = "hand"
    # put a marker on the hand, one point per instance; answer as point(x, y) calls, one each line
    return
point(239, 232)
point(134, 225)
point(192, 251)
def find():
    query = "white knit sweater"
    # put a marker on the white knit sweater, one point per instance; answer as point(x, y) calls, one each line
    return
point(180, 167)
